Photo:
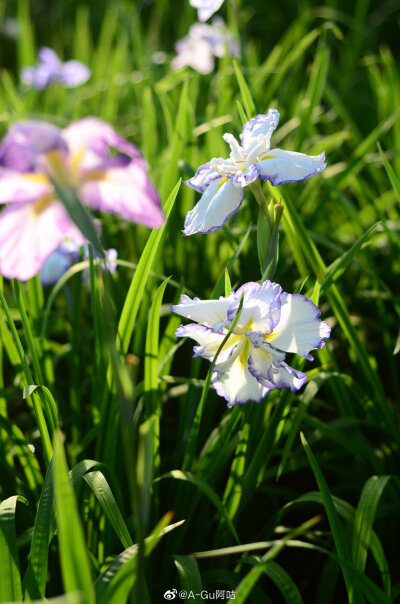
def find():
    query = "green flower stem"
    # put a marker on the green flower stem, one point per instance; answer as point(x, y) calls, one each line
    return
point(256, 189)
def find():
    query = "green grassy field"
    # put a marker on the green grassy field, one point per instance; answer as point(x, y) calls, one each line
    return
point(295, 499)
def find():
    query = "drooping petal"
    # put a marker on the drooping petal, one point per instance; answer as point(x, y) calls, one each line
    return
point(126, 192)
point(208, 341)
point(206, 312)
point(17, 187)
point(25, 142)
point(299, 328)
point(256, 133)
point(261, 307)
point(219, 201)
point(56, 265)
point(204, 175)
point(28, 236)
point(234, 382)
point(206, 8)
point(73, 73)
point(281, 167)
point(89, 141)
point(270, 370)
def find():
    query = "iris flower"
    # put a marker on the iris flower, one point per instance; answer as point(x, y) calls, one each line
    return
point(206, 8)
point(202, 44)
point(221, 181)
point(252, 361)
point(50, 69)
point(68, 254)
point(107, 172)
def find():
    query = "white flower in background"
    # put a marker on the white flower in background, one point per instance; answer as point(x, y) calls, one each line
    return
point(252, 361)
point(221, 181)
point(202, 44)
point(206, 8)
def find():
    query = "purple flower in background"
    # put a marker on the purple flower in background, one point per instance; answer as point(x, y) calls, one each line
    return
point(202, 44)
point(206, 8)
point(68, 254)
point(252, 361)
point(221, 181)
point(50, 69)
point(107, 172)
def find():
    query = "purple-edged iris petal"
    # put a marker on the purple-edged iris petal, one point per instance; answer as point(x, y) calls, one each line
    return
point(299, 328)
point(219, 201)
point(204, 175)
point(259, 129)
point(281, 167)
point(28, 236)
point(206, 312)
point(261, 307)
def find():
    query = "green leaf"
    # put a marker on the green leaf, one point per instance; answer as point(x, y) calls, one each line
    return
point(333, 519)
point(339, 266)
point(136, 289)
point(284, 583)
point(74, 559)
point(205, 488)
point(34, 583)
point(10, 583)
point(364, 518)
point(247, 99)
point(189, 574)
point(100, 487)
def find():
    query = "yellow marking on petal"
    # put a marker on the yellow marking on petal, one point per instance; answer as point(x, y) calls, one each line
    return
point(39, 206)
point(223, 181)
point(266, 157)
point(33, 177)
point(244, 355)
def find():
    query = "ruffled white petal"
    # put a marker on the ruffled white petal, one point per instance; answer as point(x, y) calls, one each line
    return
point(204, 175)
point(299, 328)
point(261, 307)
point(235, 383)
point(208, 341)
point(281, 167)
point(270, 370)
point(219, 201)
point(256, 133)
point(206, 312)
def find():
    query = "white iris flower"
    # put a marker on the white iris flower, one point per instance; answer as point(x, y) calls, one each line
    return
point(221, 181)
point(252, 361)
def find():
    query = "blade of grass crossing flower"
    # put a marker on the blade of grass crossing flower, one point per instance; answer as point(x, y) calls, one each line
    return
point(364, 518)
point(72, 548)
point(245, 93)
point(10, 583)
point(333, 519)
point(34, 583)
point(136, 289)
point(189, 574)
point(194, 430)
point(101, 489)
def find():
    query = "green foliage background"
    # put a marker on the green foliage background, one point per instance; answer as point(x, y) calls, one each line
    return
point(164, 492)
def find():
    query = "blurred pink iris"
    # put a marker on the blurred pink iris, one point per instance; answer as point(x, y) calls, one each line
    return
point(107, 172)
